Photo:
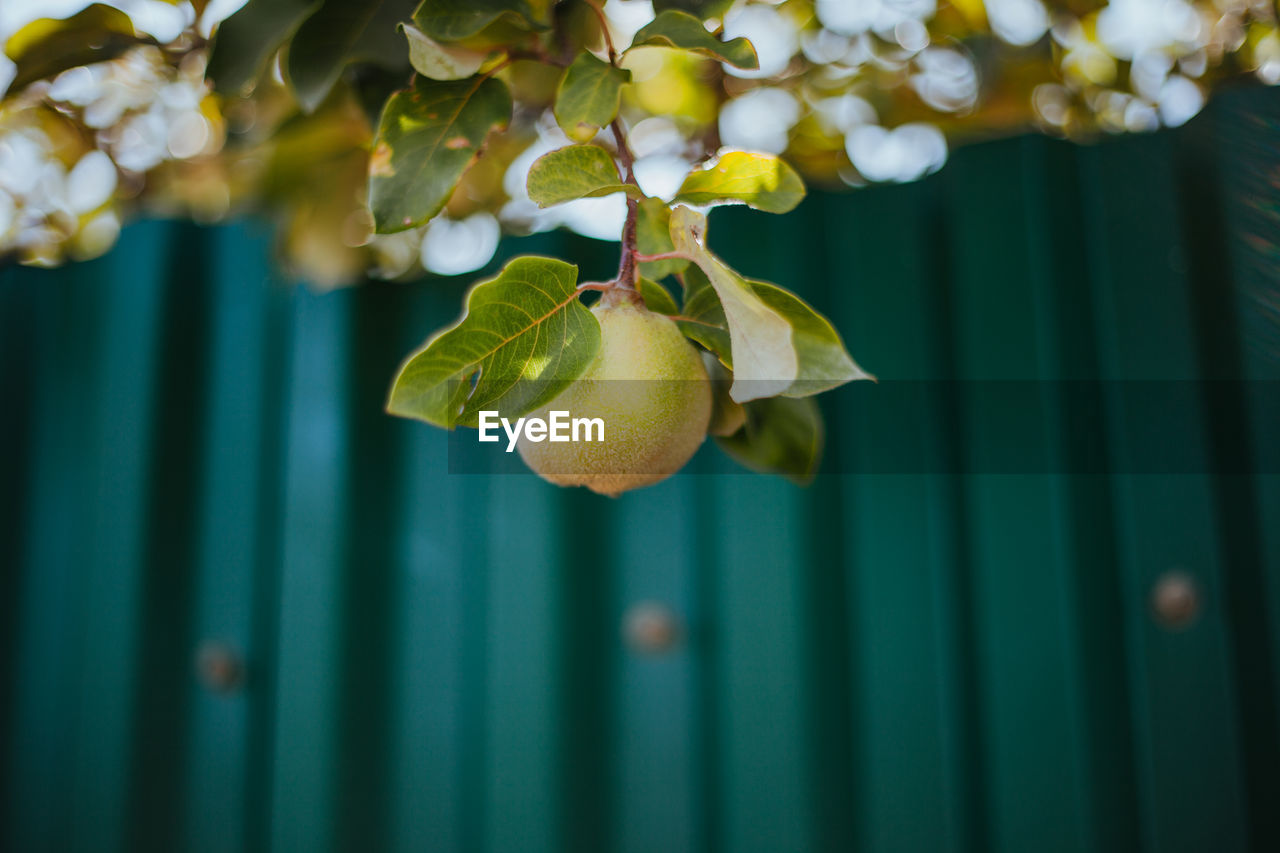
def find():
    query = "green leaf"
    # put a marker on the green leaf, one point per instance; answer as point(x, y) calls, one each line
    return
point(656, 298)
point(588, 97)
point(682, 30)
point(245, 42)
point(338, 34)
point(653, 237)
point(702, 318)
point(432, 59)
point(761, 181)
point(824, 361)
point(764, 357)
point(782, 435)
point(525, 334)
point(574, 172)
point(727, 416)
point(46, 47)
point(427, 137)
point(319, 49)
point(381, 42)
point(453, 20)
point(702, 8)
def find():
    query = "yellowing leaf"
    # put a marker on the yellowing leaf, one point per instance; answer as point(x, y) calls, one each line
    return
point(761, 181)
point(588, 97)
point(764, 357)
point(427, 137)
point(523, 338)
point(678, 29)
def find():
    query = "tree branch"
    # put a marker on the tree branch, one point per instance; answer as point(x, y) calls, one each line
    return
point(604, 29)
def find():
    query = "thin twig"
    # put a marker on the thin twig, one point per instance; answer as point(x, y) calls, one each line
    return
point(627, 265)
point(604, 28)
point(624, 152)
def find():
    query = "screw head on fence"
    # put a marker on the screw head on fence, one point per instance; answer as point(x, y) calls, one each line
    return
point(219, 667)
point(651, 627)
point(1176, 599)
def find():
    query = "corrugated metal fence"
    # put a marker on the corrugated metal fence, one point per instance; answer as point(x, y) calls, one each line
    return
point(195, 454)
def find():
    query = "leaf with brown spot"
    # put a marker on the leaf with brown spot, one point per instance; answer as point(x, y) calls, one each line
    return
point(380, 161)
point(433, 132)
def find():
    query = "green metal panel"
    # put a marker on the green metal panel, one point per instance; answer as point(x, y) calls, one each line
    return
point(1190, 796)
point(952, 658)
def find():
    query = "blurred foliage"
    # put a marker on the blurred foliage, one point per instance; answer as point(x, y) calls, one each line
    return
point(389, 136)
point(107, 115)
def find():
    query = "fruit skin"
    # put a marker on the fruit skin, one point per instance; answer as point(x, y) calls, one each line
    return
point(649, 386)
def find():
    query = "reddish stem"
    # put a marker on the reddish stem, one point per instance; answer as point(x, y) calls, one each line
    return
point(663, 256)
point(604, 29)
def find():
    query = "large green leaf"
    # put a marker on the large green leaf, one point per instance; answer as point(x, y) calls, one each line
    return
point(243, 43)
point(319, 49)
point(588, 97)
point(574, 172)
point(525, 334)
point(46, 47)
point(439, 61)
point(824, 361)
point(653, 237)
point(782, 435)
point(761, 181)
point(764, 358)
point(341, 32)
point(678, 29)
point(381, 42)
point(453, 20)
point(427, 137)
